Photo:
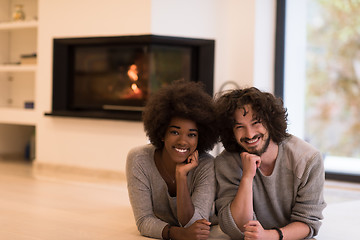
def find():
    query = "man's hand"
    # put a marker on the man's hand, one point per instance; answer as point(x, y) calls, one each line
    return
point(254, 230)
point(250, 163)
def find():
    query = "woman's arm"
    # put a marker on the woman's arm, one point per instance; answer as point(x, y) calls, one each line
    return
point(139, 189)
point(194, 206)
point(198, 230)
point(185, 207)
point(203, 189)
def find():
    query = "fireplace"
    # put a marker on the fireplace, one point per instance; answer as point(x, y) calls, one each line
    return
point(112, 77)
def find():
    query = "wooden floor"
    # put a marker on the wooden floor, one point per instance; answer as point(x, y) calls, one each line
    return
point(33, 208)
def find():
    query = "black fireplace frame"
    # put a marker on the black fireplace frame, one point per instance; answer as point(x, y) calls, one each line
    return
point(202, 49)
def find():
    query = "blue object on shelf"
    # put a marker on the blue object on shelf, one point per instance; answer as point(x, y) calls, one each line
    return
point(29, 105)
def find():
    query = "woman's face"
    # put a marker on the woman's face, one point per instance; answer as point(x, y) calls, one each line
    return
point(181, 139)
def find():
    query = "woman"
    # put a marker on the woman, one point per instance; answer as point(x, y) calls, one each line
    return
point(171, 181)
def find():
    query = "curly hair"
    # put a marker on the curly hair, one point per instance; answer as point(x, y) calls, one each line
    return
point(266, 107)
point(185, 99)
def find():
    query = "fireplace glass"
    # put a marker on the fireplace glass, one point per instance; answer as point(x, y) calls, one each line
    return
point(123, 77)
point(113, 77)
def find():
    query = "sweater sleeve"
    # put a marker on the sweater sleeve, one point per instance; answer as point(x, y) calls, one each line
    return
point(228, 174)
point(310, 201)
point(139, 190)
point(203, 190)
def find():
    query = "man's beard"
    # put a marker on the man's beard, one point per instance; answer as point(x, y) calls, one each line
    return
point(263, 149)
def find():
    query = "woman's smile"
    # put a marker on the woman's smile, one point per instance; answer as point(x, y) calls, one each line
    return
point(181, 150)
point(180, 139)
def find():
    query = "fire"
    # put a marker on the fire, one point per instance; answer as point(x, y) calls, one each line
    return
point(135, 88)
point(133, 92)
point(133, 72)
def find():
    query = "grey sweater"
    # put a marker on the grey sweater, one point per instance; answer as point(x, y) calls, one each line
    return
point(293, 192)
point(152, 205)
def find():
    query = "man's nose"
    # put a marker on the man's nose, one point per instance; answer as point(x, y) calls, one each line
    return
point(249, 133)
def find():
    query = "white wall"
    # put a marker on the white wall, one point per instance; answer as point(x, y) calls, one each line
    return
point(231, 23)
point(103, 144)
point(264, 59)
point(86, 143)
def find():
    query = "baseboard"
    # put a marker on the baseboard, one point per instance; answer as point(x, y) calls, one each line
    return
point(76, 173)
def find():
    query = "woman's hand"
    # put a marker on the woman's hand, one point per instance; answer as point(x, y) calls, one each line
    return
point(182, 169)
point(199, 230)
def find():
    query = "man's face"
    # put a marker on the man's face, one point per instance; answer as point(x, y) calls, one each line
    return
point(249, 131)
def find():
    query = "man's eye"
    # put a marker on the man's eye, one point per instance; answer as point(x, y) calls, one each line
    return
point(238, 127)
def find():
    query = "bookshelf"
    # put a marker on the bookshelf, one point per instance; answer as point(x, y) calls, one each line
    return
point(18, 117)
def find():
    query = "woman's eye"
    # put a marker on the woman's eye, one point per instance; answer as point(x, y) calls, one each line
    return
point(174, 132)
point(192, 135)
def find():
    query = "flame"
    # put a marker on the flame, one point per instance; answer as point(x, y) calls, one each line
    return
point(133, 72)
point(135, 88)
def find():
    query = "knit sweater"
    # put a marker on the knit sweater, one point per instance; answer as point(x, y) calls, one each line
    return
point(152, 205)
point(293, 192)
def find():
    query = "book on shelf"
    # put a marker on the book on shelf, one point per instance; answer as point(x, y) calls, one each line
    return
point(28, 58)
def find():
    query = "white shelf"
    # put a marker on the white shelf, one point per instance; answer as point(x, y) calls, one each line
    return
point(17, 116)
point(18, 25)
point(18, 68)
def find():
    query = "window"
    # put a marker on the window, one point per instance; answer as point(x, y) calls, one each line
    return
point(321, 79)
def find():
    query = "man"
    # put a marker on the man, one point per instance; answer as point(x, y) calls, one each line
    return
point(270, 183)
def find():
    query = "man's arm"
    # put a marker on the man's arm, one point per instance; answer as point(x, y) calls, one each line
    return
point(295, 230)
point(228, 174)
point(310, 200)
point(242, 206)
point(292, 231)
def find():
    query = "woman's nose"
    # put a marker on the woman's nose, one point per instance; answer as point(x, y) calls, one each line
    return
point(182, 139)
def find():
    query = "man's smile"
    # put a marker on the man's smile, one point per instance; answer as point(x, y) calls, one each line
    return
point(252, 141)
